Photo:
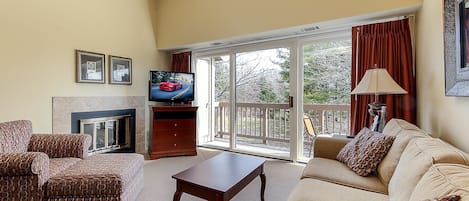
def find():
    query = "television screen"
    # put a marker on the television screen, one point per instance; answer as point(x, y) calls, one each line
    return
point(166, 86)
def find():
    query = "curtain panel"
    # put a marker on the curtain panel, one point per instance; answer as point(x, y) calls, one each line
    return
point(389, 46)
point(181, 62)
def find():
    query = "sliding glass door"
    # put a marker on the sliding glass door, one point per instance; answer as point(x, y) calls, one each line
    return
point(256, 89)
point(253, 98)
point(262, 110)
point(326, 88)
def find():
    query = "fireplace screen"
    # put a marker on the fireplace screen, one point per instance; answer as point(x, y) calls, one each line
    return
point(108, 133)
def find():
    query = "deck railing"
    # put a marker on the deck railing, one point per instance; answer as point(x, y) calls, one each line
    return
point(270, 122)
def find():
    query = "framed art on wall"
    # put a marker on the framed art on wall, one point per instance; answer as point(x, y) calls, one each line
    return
point(90, 67)
point(120, 69)
point(456, 38)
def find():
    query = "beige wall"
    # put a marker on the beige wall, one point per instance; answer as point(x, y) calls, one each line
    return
point(183, 22)
point(445, 117)
point(37, 51)
point(38, 39)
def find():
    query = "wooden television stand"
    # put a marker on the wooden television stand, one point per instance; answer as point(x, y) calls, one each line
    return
point(173, 131)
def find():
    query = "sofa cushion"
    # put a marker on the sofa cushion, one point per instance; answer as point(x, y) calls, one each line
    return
point(89, 185)
point(57, 165)
point(337, 172)
point(419, 155)
point(318, 190)
point(441, 180)
point(15, 136)
point(364, 153)
point(113, 173)
point(388, 165)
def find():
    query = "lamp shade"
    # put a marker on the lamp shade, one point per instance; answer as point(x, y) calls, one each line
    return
point(377, 81)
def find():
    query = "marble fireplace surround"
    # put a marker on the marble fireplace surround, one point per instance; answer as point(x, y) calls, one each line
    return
point(62, 108)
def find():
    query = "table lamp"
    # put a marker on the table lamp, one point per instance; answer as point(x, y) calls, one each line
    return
point(377, 81)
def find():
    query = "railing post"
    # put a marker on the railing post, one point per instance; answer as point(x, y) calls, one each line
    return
point(321, 120)
point(221, 111)
point(264, 125)
point(212, 136)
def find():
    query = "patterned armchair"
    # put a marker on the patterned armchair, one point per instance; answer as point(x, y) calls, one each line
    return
point(25, 158)
point(57, 167)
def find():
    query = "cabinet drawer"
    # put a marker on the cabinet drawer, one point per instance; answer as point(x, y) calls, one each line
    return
point(172, 140)
point(167, 146)
point(174, 134)
point(174, 124)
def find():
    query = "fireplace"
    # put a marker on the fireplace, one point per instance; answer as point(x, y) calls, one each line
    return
point(111, 131)
point(63, 107)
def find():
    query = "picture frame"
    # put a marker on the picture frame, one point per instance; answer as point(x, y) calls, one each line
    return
point(120, 70)
point(456, 47)
point(90, 67)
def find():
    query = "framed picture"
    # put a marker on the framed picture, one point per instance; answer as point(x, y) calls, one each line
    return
point(456, 44)
point(90, 67)
point(120, 69)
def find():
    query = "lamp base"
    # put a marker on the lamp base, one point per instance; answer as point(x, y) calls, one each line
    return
point(378, 112)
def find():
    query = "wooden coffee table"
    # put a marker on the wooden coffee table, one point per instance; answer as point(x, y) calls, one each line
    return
point(220, 178)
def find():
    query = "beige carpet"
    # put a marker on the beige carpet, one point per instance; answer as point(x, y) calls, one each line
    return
point(281, 176)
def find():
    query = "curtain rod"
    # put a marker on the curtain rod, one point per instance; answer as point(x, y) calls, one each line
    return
point(385, 20)
point(298, 35)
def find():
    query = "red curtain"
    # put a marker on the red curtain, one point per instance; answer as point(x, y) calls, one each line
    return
point(389, 46)
point(182, 62)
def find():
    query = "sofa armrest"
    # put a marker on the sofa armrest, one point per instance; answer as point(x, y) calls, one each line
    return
point(24, 164)
point(23, 175)
point(329, 147)
point(61, 145)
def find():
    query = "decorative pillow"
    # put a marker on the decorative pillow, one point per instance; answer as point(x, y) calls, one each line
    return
point(446, 198)
point(365, 151)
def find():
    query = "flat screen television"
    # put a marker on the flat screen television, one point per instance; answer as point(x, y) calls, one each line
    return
point(174, 87)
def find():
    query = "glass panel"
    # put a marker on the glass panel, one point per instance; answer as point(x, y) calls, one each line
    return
point(100, 135)
point(327, 66)
point(213, 73)
point(203, 77)
point(262, 111)
point(221, 99)
point(123, 134)
point(89, 130)
point(112, 132)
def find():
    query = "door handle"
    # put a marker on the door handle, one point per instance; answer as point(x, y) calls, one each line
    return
point(290, 101)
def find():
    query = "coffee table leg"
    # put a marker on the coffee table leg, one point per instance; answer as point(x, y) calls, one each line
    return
point(178, 193)
point(177, 196)
point(262, 175)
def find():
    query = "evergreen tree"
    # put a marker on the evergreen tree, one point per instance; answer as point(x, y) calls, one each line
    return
point(326, 72)
point(266, 94)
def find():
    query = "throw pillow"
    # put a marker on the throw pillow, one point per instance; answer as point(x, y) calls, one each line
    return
point(446, 198)
point(365, 151)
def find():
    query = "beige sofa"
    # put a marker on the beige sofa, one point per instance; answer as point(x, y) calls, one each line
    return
point(416, 168)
